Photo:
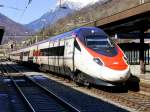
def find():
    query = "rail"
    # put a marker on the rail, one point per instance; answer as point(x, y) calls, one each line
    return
point(50, 94)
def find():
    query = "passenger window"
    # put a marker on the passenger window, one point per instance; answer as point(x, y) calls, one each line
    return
point(77, 45)
point(61, 51)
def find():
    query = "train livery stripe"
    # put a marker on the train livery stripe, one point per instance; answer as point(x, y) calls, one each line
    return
point(116, 62)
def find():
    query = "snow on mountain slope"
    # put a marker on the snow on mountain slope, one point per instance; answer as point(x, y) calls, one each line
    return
point(49, 18)
point(78, 4)
point(57, 13)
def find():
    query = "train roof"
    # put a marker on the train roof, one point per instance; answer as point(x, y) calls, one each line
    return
point(76, 31)
point(64, 35)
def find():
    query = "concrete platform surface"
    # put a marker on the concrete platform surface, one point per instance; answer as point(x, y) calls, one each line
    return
point(144, 78)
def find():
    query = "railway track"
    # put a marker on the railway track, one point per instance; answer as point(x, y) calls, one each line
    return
point(37, 98)
point(81, 101)
point(132, 100)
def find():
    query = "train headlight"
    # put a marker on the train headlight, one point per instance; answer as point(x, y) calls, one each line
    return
point(126, 59)
point(98, 61)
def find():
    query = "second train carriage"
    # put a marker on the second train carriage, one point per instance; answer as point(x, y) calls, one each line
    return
point(85, 54)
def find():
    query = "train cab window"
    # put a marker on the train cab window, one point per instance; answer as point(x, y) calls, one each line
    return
point(77, 45)
point(98, 41)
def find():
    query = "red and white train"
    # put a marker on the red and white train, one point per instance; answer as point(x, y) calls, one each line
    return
point(86, 54)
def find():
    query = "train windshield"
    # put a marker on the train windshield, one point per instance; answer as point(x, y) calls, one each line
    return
point(98, 41)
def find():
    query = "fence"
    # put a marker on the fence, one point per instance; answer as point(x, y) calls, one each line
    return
point(132, 51)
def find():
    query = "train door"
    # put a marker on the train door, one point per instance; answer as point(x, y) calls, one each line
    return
point(43, 57)
point(32, 56)
point(53, 58)
point(50, 58)
point(21, 56)
point(58, 59)
point(61, 57)
point(49, 55)
point(26, 56)
point(69, 55)
point(56, 50)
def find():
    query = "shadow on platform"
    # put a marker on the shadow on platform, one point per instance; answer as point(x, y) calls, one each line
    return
point(133, 84)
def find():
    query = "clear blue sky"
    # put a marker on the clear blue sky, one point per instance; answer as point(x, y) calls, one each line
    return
point(36, 9)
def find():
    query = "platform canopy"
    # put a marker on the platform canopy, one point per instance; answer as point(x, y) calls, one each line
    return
point(133, 19)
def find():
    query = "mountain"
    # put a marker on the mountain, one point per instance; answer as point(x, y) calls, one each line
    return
point(67, 7)
point(79, 4)
point(49, 18)
point(90, 13)
point(12, 28)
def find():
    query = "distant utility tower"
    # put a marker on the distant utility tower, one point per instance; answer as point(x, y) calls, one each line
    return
point(60, 4)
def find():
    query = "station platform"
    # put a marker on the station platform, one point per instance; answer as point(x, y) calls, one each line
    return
point(144, 78)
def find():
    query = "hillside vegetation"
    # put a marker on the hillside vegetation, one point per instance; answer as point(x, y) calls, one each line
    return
point(13, 30)
point(88, 14)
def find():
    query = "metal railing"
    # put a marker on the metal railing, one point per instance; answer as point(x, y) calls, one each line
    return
point(132, 51)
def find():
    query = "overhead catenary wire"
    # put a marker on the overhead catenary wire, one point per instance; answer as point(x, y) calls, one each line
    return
point(29, 2)
point(4, 6)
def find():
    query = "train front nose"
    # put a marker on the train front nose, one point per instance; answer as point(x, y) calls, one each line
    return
point(115, 76)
